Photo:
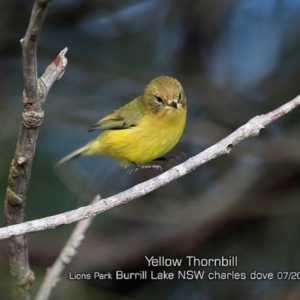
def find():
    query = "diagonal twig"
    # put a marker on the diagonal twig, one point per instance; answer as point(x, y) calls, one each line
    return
point(252, 128)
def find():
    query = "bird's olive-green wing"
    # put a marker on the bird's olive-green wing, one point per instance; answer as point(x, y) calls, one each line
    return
point(127, 116)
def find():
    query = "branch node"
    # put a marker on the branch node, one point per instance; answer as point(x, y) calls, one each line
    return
point(30, 105)
point(21, 160)
point(13, 198)
point(32, 119)
point(33, 36)
point(29, 280)
point(229, 148)
point(67, 254)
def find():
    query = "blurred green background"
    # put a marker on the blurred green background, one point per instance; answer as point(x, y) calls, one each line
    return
point(235, 59)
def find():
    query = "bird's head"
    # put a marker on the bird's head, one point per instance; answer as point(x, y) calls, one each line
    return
point(164, 94)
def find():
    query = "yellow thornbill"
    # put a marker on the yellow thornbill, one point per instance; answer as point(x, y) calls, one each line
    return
point(144, 129)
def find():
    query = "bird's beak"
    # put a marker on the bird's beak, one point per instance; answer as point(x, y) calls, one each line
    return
point(173, 104)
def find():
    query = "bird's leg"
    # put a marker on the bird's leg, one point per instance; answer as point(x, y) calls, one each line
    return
point(179, 156)
point(138, 167)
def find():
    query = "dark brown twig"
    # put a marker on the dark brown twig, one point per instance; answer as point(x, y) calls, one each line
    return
point(34, 95)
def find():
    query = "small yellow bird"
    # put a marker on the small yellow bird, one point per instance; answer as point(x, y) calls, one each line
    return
point(144, 129)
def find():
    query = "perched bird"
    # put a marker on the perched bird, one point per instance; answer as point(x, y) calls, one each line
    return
point(144, 129)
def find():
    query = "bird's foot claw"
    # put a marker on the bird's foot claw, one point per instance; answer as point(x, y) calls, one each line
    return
point(138, 167)
point(155, 167)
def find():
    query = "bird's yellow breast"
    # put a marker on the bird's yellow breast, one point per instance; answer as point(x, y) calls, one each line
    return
point(153, 137)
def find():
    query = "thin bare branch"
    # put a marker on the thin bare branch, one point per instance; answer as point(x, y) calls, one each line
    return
point(252, 128)
point(64, 258)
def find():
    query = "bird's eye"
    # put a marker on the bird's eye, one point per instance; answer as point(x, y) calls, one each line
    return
point(158, 99)
point(180, 95)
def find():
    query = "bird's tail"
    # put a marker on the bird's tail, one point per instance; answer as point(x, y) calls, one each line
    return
point(72, 155)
